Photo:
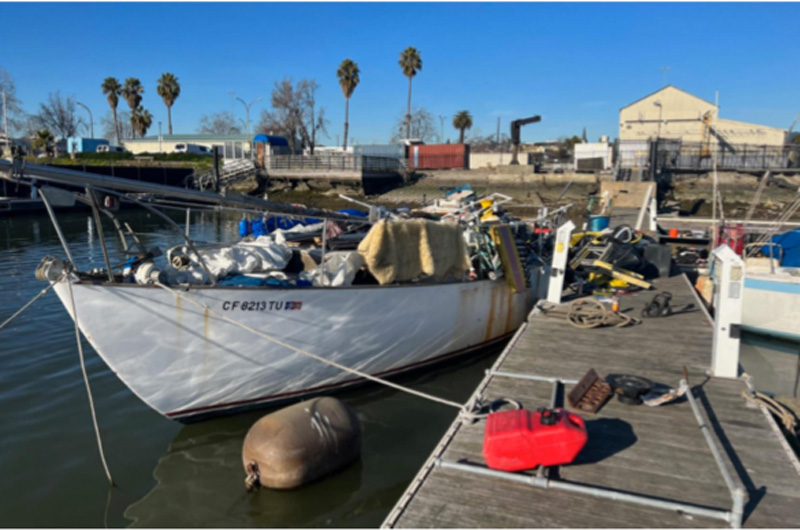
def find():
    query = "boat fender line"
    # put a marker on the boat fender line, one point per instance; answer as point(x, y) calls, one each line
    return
point(466, 410)
point(88, 387)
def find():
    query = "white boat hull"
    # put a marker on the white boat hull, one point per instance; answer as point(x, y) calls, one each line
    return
point(771, 304)
point(184, 361)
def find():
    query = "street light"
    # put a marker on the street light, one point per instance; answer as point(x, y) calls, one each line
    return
point(660, 108)
point(91, 120)
point(247, 111)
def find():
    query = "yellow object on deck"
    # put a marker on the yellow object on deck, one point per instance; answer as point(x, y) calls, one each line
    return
point(506, 246)
point(620, 277)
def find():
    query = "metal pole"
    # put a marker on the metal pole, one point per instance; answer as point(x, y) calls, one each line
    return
point(5, 118)
point(737, 493)
point(57, 227)
point(100, 235)
point(159, 138)
point(324, 242)
point(91, 119)
point(559, 264)
point(532, 377)
point(188, 220)
point(546, 483)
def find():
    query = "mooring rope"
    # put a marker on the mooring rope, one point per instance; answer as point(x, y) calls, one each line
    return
point(88, 387)
point(776, 407)
point(26, 306)
point(301, 351)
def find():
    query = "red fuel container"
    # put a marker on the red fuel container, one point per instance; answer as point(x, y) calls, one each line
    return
point(520, 439)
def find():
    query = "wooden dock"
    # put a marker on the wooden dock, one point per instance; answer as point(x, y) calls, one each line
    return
point(658, 452)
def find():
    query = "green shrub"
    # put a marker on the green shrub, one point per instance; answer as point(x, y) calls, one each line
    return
point(104, 156)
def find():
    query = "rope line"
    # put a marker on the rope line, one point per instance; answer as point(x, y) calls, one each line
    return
point(774, 406)
point(88, 387)
point(26, 306)
point(317, 357)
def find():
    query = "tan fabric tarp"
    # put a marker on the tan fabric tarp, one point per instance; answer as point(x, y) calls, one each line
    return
point(399, 251)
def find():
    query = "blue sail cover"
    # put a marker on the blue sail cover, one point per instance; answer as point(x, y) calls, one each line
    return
point(790, 242)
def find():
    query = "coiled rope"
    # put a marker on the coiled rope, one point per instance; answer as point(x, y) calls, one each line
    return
point(463, 408)
point(588, 313)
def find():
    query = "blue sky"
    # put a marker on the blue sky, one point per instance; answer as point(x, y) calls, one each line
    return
point(575, 64)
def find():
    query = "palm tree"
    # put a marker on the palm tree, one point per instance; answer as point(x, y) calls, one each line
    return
point(411, 63)
point(169, 89)
point(112, 90)
point(348, 80)
point(43, 140)
point(132, 92)
point(141, 120)
point(462, 121)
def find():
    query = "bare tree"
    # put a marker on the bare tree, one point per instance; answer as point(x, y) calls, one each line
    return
point(59, 115)
point(124, 121)
point(295, 114)
point(422, 126)
point(16, 116)
point(221, 123)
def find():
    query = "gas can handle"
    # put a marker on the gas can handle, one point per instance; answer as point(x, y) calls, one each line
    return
point(575, 419)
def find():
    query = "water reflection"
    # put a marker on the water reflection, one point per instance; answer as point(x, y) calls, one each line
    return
point(170, 475)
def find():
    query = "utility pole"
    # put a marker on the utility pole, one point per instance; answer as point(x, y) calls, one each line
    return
point(441, 121)
point(665, 69)
point(91, 119)
point(5, 117)
point(498, 131)
point(159, 138)
point(247, 111)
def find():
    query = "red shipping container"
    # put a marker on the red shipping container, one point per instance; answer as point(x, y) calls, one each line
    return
point(520, 439)
point(438, 156)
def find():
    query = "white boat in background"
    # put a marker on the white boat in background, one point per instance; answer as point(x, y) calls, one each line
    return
point(189, 344)
point(771, 304)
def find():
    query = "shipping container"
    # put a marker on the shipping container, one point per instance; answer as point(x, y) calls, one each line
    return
point(381, 150)
point(438, 156)
point(84, 145)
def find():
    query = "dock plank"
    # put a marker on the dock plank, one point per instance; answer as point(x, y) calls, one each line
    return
point(658, 452)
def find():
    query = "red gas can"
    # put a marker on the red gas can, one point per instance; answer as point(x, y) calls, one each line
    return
point(520, 439)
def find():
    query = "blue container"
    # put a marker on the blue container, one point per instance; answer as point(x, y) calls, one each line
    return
point(598, 222)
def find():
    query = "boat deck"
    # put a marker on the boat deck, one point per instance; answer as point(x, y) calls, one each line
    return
point(658, 452)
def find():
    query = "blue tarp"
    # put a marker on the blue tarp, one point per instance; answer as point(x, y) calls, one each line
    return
point(790, 243)
point(256, 227)
point(271, 140)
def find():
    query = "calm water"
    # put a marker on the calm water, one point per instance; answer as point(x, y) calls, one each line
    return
point(169, 474)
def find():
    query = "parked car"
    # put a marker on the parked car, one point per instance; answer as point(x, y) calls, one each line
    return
point(192, 148)
point(110, 149)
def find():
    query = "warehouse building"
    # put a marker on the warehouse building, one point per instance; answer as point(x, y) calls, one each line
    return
point(671, 113)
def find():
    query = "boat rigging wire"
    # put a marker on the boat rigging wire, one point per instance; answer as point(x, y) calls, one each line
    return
point(463, 408)
point(26, 306)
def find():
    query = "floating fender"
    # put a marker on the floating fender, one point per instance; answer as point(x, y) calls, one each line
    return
point(300, 443)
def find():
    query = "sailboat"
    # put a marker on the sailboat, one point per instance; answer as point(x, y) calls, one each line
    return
point(190, 349)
